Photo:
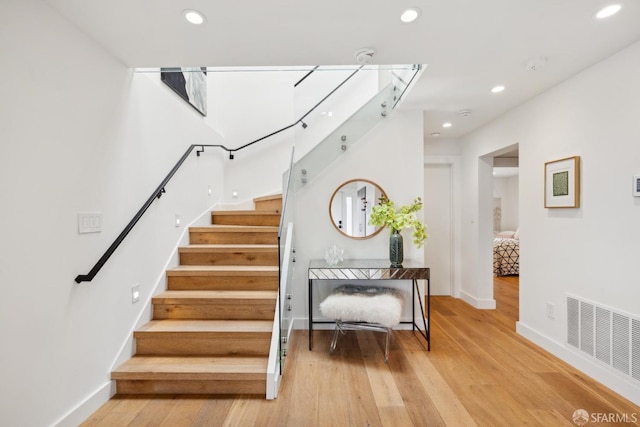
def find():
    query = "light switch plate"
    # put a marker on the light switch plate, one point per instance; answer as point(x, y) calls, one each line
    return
point(89, 222)
point(636, 186)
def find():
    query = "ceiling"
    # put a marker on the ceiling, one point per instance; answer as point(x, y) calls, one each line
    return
point(469, 46)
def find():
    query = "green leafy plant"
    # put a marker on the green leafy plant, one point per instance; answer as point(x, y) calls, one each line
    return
point(384, 214)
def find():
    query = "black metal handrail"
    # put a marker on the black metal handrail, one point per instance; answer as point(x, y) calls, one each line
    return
point(306, 75)
point(300, 120)
point(157, 193)
point(160, 190)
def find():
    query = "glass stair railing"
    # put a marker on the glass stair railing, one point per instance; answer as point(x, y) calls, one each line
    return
point(349, 132)
point(397, 80)
point(286, 262)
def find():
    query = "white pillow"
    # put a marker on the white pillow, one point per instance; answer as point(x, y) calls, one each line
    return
point(517, 234)
point(506, 234)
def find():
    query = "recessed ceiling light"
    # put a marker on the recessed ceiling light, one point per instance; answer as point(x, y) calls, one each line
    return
point(410, 15)
point(608, 11)
point(194, 17)
point(446, 125)
point(497, 89)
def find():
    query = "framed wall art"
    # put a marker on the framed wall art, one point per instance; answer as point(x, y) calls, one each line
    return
point(562, 183)
point(190, 83)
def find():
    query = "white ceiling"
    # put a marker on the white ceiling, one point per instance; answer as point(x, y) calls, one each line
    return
point(469, 45)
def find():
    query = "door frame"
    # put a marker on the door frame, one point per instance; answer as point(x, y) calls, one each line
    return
point(454, 163)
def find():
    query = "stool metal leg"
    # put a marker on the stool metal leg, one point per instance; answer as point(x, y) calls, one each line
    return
point(342, 327)
point(334, 339)
point(386, 347)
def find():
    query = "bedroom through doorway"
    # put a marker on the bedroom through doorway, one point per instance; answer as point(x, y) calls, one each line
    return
point(506, 223)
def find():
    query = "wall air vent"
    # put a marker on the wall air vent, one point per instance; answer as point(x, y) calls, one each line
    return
point(608, 335)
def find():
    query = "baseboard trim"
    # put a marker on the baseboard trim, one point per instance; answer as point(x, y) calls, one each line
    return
point(600, 373)
point(481, 304)
point(87, 407)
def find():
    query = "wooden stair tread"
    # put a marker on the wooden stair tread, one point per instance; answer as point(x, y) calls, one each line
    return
point(210, 296)
point(212, 329)
point(265, 198)
point(222, 228)
point(192, 368)
point(226, 247)
point(159, 326)
point(223, 270)
point(246, 213)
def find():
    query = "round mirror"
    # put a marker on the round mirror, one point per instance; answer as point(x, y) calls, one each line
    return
point(350, 208)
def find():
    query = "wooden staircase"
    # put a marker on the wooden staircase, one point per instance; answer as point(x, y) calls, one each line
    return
point(211, 329)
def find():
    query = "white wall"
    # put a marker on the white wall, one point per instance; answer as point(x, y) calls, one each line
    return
point(81, 133)
point(507, 190)
point(592, 251)
point(436, 146)
point(248, 105)
point(397, 168)
point(243, 107)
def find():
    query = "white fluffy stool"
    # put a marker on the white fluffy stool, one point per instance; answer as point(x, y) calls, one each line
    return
point(355, 307)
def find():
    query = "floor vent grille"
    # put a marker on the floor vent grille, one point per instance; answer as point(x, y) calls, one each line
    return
point(612, 337)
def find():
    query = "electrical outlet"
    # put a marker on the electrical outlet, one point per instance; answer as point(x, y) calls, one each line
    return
point(135, 293)
point(551, 310)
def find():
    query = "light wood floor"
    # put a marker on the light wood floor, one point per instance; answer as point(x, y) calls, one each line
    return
point(479, 372)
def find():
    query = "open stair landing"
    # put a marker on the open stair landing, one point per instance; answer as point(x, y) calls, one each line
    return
point(211, 329)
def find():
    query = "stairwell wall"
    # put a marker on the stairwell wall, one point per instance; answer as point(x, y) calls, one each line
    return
point(81, 133)
point(249, 104)
point(391, 155)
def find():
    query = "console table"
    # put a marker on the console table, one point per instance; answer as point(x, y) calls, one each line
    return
point(351, 270)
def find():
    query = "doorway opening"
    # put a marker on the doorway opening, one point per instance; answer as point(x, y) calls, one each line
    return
point(506, 219)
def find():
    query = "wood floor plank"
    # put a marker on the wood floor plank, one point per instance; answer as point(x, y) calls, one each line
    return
point(214, 410)
point(274, 412)
point(551, 418)
point(304, 395)
point(154, 412)
point(396, 416)
point(451, 410)
point(492, 405)
point(385, 390)
point(243, 408)
point(363, 409)
point(124, 410)
point(479, 372)
point(335, 412)
point(418, 405)
point(183, 413)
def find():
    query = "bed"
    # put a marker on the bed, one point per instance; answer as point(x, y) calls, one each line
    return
point(506, 254)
